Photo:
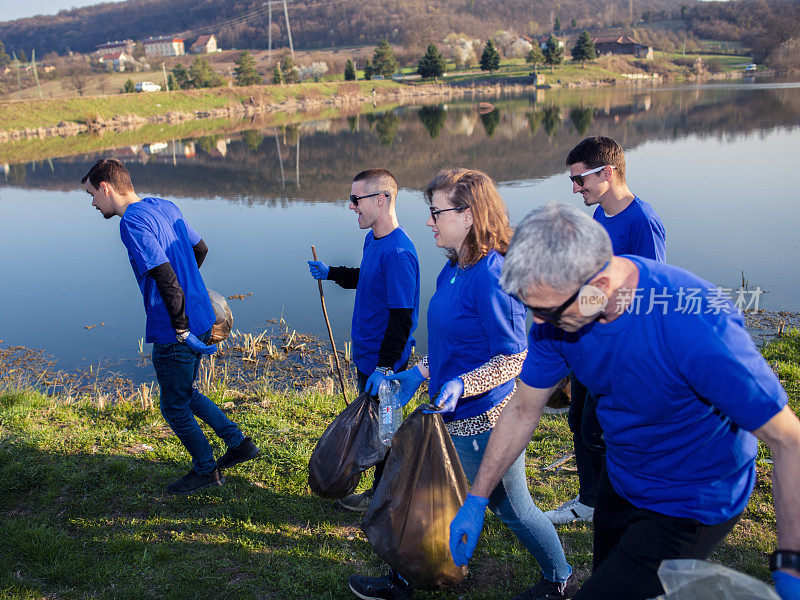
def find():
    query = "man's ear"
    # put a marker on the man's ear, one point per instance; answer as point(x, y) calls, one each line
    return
point(603, 283)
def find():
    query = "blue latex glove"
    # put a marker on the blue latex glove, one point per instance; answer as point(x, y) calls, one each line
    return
point(198, 346)
point(467, 522)
point(410, 380)
point(374, 383)
point(787, 585)
point(319, 270)
point(449, 396)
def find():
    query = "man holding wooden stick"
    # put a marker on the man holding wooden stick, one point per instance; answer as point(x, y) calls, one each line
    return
point(387, 292)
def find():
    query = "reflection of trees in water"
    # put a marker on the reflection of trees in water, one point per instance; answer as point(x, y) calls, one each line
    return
point(490, 121)
point(433, 118)
point(581, 118)
point(327, 159)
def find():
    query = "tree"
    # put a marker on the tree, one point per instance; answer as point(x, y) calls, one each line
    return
point(245, 72)
point(383, 60)
point(534, 56)
point(557, 25)
point(4, 58)
point(490, 58)
point(368, 70)
point(201, 75)
point(181, 76)
point(432, 63)
point(277, 75)
point(553, 52)
point(349, 70)
point(583, 49)
point(289, 70)
point(573, 23)
point(433, 118)
point(129, 87)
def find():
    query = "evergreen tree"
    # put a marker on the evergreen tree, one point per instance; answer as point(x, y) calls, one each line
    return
point(4, 58)
point(383, 60)
point(583, 49)
point(201, 75)
point(573, 23)
point(534, 56)
point(289, 70)
point(172, 83)
point(129, 87)
point(245, 72)
point(277, 75)
point(432, 64)
point(557, 25)
point(368, 70)
point(349, 70)
point(553, 52)
point(490, 58)
point(181, 77)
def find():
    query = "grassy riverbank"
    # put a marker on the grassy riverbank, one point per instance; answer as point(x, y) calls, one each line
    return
point(19, 115)
point(83, 514)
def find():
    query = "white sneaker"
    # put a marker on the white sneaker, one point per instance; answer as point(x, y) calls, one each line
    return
point(569, 512)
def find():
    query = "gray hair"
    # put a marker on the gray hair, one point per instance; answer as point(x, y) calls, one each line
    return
point(555, 245)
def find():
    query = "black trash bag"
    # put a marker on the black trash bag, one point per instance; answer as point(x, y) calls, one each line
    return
point(419, 494)
point(349, 446)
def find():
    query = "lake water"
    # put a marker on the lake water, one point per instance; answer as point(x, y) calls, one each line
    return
point(717, 162)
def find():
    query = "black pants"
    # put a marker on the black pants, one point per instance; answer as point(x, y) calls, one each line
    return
point(630, 543)
point(587, 437)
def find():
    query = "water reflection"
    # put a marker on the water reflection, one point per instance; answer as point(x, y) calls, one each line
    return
point(262, 193)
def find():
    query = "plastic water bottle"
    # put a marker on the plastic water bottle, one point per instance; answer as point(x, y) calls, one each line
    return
point(390, 411)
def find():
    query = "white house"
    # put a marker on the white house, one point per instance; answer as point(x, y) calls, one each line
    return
point(204, 44)
point(164, 46)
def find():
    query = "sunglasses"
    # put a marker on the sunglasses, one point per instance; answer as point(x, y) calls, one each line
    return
point(435, 213)
point(354, 199)
point(553, 315)
point(579, 179)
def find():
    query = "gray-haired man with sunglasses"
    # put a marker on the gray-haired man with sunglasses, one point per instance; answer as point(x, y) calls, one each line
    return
point(387, 292)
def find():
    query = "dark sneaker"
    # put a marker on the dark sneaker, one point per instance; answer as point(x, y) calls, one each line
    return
point(247, 450)
point(356, 502)
point(548, 590)
point(194, 481)
point(558, 404)
point(388, 587)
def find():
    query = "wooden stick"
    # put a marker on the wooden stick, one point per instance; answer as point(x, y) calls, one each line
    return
point(330, 332)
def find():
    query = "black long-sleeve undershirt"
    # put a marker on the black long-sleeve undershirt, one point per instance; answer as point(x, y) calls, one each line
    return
point(394, 340)
point(171, 292)
point(346, 277)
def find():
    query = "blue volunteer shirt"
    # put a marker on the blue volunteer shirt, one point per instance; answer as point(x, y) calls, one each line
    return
point(470, 321)
point(388, 278)
point(155, 232)
point(636, 230)
point(679, 385)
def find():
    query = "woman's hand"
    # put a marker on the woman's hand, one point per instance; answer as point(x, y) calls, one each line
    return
point(410, 380)
point(449, 395)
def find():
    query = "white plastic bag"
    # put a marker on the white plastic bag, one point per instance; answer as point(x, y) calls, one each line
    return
point(688, 579)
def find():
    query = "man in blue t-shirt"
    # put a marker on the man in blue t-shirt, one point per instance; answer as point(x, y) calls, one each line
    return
point(387, 292)
point(597, 172)
point(679, 385)
point(166, 254)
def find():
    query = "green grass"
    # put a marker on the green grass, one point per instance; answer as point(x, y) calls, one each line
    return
point(82, 513)
point(19, 115)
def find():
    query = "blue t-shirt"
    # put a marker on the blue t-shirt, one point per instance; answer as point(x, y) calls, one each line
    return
point(636, 230)
point(388, 278)
point(679, 384)
point(154, 232)
point(470, 321)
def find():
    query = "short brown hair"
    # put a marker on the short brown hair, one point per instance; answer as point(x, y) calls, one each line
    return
point(599, 151)
point(473, 189)
point(112, 171)
point(381, 179)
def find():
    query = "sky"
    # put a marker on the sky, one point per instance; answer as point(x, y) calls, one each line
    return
point(14, 9)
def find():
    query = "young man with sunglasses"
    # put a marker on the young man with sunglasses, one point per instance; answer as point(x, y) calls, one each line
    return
point(387, 292)
point(597, 172)
point(680, 387)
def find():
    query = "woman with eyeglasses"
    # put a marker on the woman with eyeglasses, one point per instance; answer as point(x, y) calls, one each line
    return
point(476, 347)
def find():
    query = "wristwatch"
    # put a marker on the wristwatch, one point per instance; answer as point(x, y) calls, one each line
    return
point(182, 335)
point(384, 370)
point(784, 559)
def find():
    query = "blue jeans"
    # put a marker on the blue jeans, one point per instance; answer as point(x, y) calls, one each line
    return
point(176, 367)
point(511, 501)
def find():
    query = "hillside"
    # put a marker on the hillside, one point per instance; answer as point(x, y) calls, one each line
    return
point(314, 23)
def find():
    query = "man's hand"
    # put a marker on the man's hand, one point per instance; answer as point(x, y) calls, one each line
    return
point(787, 585)
point(410, 380)
point(466, 528)
point(374, 382)
point(319, 270)
point(449, 396)
point(195, 344)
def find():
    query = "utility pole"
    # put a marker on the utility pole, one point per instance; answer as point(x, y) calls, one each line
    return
point(269, 33)
point(288, 29)
point(164, 70)
point(35, 72)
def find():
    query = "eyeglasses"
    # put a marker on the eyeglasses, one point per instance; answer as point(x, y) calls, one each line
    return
point(435, 213)
point(553, 315)
point(354, 199)
point(579, 178)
